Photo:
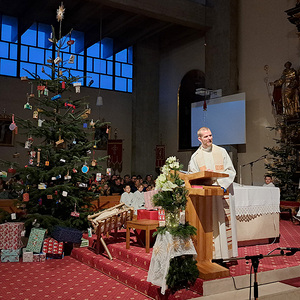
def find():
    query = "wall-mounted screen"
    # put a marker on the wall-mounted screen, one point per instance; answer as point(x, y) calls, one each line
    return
point(225, 116)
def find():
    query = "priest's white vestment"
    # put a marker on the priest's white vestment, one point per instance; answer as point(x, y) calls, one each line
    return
point(217, 159)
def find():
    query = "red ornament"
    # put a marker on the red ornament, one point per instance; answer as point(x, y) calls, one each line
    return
point(25, 197)
point(11, 170)
point(70, 42)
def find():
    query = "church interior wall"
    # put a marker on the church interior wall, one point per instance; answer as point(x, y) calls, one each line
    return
point(116, 108)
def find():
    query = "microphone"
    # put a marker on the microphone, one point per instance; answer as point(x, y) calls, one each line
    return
point(289, 249)
point(292, 250)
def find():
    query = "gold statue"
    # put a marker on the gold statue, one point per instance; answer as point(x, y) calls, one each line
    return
point(289, 84)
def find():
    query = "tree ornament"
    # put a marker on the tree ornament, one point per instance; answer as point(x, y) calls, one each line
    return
point(40, 201)
point(11, 170)
point(47, 163)
point(46, 92)
point(63, 85)
point(32, 154)
point(26, 197)
point(42, 186)
point(35, 114)
point(77, 86)
point(94, 162)
point(13, 125)
point(67, 177)
point(71, 59)
point(75, 213)
point(49, 197)
point(64, 193)
point(40, 122)
point(38, 160)
point(84, 169)
point(60, 13)
point(56, 97)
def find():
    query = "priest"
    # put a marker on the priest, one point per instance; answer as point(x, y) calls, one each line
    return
point(210, 157)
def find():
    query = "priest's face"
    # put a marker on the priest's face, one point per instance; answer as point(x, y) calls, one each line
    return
point(205, 138)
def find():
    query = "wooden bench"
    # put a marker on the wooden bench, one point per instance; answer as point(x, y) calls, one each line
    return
point(291, 206)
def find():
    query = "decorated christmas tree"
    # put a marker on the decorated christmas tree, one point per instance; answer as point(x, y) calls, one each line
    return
point(53, 186)
point(285, 158)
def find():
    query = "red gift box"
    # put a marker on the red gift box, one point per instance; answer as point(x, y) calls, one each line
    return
point(10, 235)
point(147, 214)
point(53, 246)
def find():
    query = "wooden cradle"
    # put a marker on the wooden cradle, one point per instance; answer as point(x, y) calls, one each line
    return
point(107, 220)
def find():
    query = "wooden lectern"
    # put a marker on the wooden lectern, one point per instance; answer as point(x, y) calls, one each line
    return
point(199, 214)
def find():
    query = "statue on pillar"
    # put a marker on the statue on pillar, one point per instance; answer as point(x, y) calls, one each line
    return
point(289, 96)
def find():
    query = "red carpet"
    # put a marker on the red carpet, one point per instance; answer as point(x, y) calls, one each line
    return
point(59, 279)
point(125, 276)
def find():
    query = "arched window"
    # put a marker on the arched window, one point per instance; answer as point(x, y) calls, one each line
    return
point(191, 81)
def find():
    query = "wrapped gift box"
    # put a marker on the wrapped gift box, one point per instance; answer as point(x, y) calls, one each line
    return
point(147, 214)
point(36, 257)
point(36, 239)
point(52, 246)
point(27, 255)
point(10, 235)
point(42, 257)
point(64, 234)
point(11, 255)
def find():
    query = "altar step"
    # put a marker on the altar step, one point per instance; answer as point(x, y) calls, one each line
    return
point(129, 267)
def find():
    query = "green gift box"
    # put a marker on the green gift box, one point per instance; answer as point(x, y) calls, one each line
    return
point(35, 241)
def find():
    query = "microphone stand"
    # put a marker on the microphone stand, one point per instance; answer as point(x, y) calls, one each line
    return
point(255, 259)
point(251, 168)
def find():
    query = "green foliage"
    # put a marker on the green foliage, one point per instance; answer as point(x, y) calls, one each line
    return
point(285, 164)
point(182, 231)
point(183, 272)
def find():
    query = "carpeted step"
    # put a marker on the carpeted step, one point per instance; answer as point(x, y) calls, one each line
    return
point(136, 255)
point(132, 276)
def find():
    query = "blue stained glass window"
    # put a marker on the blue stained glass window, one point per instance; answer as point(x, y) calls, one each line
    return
point(13, 51)
point(106, 82)
point(122, 56)
point(118, 69)
point(36, 55)
point(89, 64)
point(24, 53)
point(3, 50)
point(9, 29)
point(109, 68)
point(78, 46)
point(127, 70)
point(93, 50)
point(29, 36)
point(120, 84)
point(79, 74)
point(97, 65)
point(44, 32)
point(130, 55)
point(8, 67)
point(27, 66)
point(129, 85)
point(103, 66)
point(80, 60)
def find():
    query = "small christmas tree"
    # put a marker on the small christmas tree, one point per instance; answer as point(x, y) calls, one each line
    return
point(285, 158)
point(59, 141)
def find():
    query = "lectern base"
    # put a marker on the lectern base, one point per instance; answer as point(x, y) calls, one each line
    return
point(209, 270)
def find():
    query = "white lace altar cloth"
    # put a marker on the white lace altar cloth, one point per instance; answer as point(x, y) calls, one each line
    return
point(165, 248)
point(253, 201)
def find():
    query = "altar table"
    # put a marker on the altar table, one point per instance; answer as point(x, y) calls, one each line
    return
point(257, 212)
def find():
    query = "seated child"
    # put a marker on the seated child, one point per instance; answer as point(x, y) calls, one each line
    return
point(138, 199)
point(127, 196)
point(268, 181)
